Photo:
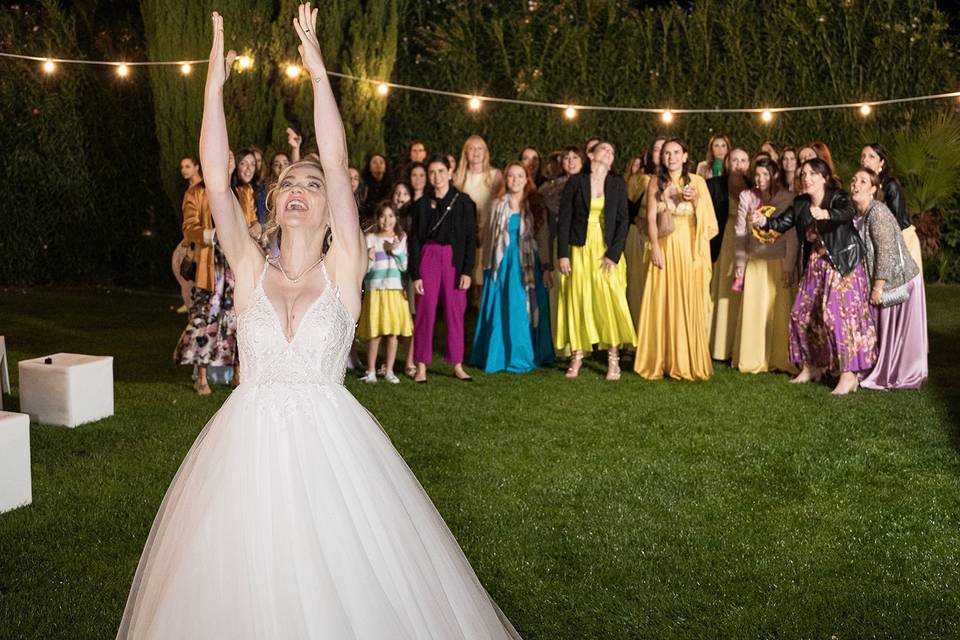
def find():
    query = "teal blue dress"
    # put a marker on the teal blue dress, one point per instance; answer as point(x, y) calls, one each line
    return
point(504, 339)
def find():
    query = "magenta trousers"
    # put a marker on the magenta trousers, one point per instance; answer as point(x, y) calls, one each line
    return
point(439, 287)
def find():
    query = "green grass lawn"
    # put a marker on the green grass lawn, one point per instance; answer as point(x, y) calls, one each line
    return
point(741, 507)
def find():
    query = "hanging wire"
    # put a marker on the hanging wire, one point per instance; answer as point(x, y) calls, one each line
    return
point(534, 103)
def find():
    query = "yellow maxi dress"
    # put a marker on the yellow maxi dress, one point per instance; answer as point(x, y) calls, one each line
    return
point(726, 302)
point(637, 248)
point(672, 332)
point(762, 337)
point(593, 309)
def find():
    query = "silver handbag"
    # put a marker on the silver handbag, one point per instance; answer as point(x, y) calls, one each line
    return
point(892, 296)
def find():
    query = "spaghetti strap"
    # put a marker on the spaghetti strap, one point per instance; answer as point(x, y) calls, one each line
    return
point(326, 277)
point(263, 272)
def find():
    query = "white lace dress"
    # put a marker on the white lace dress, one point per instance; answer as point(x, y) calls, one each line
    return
point(293, 516)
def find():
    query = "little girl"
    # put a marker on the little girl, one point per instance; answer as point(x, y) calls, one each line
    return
point(385, 312)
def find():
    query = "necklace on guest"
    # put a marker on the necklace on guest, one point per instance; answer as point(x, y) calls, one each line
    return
point(302, 274)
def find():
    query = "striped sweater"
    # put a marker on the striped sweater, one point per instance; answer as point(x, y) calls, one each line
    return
point(385, 270)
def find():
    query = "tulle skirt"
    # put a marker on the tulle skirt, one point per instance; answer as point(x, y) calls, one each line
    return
point(293, 516)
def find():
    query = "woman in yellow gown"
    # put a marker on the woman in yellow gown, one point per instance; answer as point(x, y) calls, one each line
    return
point(591, 232)
point(672, 331)
point(766, 269)
point(637, 248)
point(726, 301)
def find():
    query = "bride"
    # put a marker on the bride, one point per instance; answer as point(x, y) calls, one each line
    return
point(292, 516)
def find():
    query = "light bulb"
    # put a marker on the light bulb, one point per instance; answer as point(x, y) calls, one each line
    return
point(667, 116)
point(244, 63)
point(49, 66)
point(383, 88)
point(185, 68)
point(474, 104)
point(570, 113)
point(293, 71)
point(865, 109)
point(767, 115)
point(123, 70)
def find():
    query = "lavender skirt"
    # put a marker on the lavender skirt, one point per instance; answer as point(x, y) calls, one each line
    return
point(831, 325)
point(902, 335)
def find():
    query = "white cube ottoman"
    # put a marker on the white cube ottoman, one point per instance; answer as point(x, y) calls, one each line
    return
point(15, 485)
point(71, 390)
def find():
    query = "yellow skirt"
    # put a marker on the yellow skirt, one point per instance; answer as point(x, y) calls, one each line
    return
point(672, 333)
point(726, 302)
point(384, 312)
point(637, 252)
point(913, 245)
point(592, 306)
point(762, 340)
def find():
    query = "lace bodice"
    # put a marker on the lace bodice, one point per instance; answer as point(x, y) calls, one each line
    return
point(317, 353)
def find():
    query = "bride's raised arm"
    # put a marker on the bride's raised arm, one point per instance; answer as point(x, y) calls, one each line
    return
point(348, 250)
point(231, 226)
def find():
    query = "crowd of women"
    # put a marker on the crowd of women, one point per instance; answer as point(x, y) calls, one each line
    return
point(760, 259)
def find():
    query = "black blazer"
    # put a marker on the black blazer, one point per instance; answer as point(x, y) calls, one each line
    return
point(575, 210)
point(838, 235)
point(463, 217)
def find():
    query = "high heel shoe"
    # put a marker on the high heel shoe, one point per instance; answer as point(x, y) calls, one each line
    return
point(613, 367)
point(576, 361)
point(808, 374)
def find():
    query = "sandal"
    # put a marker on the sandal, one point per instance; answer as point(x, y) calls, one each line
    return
point(576, 361)
point(613, 366)
point(202, 387)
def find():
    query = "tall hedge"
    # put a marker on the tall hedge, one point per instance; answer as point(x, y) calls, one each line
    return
point(732, 53)
point(79, 158)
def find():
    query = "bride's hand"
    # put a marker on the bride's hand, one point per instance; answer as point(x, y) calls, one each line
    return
point(306, 26)
point(218, 70)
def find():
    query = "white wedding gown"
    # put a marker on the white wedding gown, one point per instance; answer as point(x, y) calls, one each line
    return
point(293, 516)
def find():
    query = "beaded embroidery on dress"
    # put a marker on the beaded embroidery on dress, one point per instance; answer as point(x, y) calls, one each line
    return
point(292, 516)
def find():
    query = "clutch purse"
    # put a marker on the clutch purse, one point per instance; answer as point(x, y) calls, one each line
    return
point(665, 224)
point(891, 297)
point(766, 236)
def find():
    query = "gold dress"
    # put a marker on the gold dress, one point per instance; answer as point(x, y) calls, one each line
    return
point(672, 330)
point(475, 186)
point(726, 302)
point(636, 249)
point(593, 306)
point(762, 336)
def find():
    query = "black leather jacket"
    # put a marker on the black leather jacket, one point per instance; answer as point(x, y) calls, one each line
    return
point(892, 196)
point(837, 234)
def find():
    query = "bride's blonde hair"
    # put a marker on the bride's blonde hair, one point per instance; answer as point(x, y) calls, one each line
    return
point(271, 229)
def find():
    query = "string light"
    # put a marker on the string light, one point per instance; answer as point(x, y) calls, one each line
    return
point(474, 104)
point(766, 116)
point(244, 62)
point(293, 71)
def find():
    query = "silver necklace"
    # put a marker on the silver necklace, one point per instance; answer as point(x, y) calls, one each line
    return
point(305, 271)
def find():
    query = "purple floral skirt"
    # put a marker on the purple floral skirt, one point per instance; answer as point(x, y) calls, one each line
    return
point(831, 325)
point(209, 339)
